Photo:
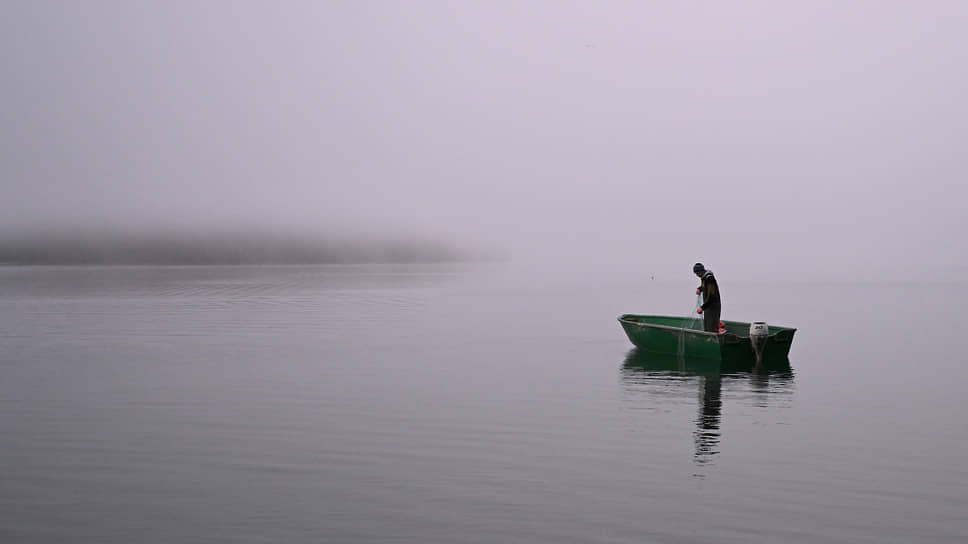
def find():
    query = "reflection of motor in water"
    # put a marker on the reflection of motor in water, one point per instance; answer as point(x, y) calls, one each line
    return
point(641, 368)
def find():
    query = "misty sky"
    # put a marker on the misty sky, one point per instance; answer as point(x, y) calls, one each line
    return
point(780, 139)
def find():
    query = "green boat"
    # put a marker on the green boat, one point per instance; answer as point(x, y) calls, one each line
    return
point(734, 346)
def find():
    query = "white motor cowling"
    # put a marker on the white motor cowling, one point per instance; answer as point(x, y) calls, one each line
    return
point(759, 332)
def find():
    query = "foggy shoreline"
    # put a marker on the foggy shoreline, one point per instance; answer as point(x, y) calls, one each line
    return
point(220, 250)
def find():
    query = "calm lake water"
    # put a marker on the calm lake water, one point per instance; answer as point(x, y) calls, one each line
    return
point(446, 404)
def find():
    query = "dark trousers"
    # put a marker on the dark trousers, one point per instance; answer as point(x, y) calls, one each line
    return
point(710, 318)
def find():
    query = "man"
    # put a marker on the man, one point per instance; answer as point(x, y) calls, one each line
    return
point(711, 307)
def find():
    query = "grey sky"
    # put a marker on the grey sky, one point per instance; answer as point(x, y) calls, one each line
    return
point(822, 138)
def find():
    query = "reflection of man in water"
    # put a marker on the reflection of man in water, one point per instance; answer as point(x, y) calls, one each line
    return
point(707, 424)
point(711, 307)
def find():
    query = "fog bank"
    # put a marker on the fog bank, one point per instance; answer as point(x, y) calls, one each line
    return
point(209, 248)
point(802, 140)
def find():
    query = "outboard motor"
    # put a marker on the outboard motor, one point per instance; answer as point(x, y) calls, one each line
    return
point(758, 334)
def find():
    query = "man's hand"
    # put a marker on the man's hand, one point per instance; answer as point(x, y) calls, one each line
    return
point(699, 311)
point(698, 290)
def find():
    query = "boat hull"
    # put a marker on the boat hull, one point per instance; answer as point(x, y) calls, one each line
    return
point(681, 337)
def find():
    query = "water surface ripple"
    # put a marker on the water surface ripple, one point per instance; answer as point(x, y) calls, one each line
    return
point(455, 404)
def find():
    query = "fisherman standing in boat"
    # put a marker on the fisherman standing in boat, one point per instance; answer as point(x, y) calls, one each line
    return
point(711, 307)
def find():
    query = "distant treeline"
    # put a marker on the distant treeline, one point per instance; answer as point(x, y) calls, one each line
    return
point(200, 250)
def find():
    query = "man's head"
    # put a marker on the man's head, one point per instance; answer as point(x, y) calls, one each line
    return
point(698, 269)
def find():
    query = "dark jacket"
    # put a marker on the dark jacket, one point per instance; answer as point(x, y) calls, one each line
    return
point(710, 291)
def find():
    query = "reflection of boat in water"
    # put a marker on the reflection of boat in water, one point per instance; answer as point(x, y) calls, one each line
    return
point(643, 360)
point(642, 370)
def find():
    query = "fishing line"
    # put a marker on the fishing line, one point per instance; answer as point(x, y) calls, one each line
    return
point(688, 323)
